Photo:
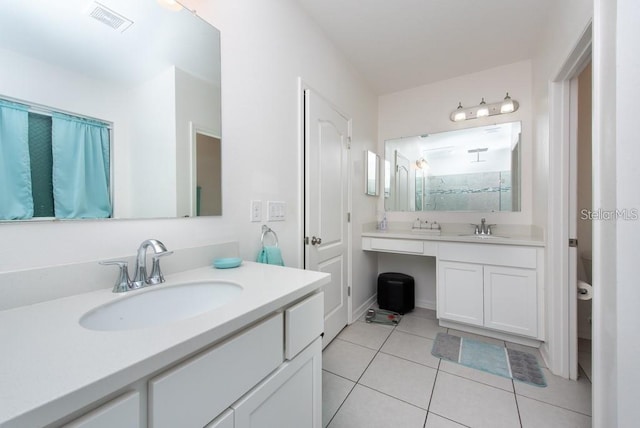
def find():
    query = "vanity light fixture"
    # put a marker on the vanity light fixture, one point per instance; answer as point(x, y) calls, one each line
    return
point(459, 113)
point(508, 105)
point(483, 110)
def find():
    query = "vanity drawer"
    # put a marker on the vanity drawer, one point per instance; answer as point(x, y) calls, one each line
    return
point(489, 254)
point(397, 245)
point(303, 322)
point(195, 392)
point(123, 412)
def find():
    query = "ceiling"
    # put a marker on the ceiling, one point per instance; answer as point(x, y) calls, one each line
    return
point(401, 44)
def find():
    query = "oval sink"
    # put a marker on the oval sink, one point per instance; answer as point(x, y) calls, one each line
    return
point(160, 305)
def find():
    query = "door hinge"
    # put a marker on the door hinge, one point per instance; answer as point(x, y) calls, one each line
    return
point(348, 217)
point(306, 240)
point(349, 291)
point(573, 242)
point(349, 142)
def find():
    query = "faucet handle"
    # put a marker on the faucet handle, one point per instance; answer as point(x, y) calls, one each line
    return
point(123, 283)
point(156, 276)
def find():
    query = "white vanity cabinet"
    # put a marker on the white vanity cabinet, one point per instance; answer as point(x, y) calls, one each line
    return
point(490, 286)
point(246, 381)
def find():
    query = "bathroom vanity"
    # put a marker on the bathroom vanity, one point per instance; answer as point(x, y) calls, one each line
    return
point(492, 285)
point(254, 361)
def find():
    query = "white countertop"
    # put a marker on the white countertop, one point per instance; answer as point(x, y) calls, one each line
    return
point(51, 366)
point(511, 239)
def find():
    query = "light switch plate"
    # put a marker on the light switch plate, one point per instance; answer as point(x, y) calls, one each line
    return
point(276, 210)
point(256, 211)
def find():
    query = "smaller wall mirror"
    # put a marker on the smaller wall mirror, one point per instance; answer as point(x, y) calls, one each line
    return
point(474, 169)
point(372, 166)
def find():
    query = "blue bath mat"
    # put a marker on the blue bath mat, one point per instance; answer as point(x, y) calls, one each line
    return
point(501, 361)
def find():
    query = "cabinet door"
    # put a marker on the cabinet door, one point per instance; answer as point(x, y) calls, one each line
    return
point(291, 397)
point(122, 412)
point(460, 292)
point(510, 300)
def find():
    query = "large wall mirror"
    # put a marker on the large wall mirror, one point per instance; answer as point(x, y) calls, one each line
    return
point(474, 169)
point(147, 75)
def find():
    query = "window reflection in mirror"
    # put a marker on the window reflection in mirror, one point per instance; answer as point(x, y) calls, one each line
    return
point(148, 81)
point(474, 169)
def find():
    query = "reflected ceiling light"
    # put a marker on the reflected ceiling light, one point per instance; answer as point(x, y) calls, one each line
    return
point(422, 163)
point(171, 5)
point(507, 105)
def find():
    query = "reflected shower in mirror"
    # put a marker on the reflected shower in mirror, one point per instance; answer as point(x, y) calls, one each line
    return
point(474, 169)
point(146, 72)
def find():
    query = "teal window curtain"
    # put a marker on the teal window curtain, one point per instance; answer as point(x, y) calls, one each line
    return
point(80, 149)
point(16, 201)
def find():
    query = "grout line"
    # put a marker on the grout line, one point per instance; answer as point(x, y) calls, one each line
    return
point(449, 419)
point(553, 405)
point(515, 396)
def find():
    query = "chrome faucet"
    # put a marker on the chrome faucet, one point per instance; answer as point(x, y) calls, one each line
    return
point(483, 228)
point(159, 250)
point(141, 279)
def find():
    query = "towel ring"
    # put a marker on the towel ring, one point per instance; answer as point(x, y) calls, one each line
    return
point(267, 230)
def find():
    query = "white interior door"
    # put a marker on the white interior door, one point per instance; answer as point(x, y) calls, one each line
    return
point(326, 205)
point(572, 223)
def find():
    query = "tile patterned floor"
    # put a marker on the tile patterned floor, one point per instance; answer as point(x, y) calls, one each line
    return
point(384, 376)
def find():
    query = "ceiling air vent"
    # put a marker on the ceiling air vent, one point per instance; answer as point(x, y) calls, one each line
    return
point(108, 17)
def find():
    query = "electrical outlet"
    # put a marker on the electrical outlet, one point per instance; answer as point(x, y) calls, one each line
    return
point(256, 211)
point(276, 211)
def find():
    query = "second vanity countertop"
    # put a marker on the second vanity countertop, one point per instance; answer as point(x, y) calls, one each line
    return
point(51, 366)
point(458, 236)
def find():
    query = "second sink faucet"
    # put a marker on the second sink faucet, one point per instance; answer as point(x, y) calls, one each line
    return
point(483, 228)
point(141, 278)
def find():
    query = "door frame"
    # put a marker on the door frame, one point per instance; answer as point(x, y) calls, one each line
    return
point(195, 129)
point(302, 87)
point(561, 302)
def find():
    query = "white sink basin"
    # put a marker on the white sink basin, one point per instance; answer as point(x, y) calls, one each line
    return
point(162, 305)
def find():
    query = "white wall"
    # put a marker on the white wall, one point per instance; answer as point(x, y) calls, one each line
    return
point(266, 46)
point(426, 109)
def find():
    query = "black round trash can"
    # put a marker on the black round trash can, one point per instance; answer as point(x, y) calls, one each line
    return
point(396, 292)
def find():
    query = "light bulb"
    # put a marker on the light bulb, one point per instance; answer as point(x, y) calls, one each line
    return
point(507, 105)
point(460, 114)
point(170, 4)
point(483, 110)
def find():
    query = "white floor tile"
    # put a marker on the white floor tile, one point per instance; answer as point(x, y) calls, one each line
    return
point(346, 359)
point(535, 414)
point(568, 394)
point(402, 379)
point(472, 403)
point(477, 375)
point(428, 328)
point(370, 335)
point(435, 421)
point(334, 391)
point(366, 408)
point(425, 313)
point(411, 347)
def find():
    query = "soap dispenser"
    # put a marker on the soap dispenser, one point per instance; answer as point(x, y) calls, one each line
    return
point(417, 224)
